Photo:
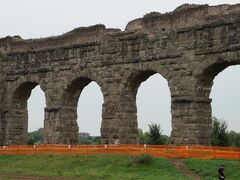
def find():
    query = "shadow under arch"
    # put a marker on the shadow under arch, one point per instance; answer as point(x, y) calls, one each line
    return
point(68, 112)
point(17, 124)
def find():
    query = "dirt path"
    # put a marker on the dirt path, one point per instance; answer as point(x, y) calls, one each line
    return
point(27, 177)
point(184, 169)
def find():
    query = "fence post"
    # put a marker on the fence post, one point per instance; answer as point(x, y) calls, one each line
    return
point(214, 154)
point(167, 152)
point(105, 147)
point(239, 157)
point(145, 148)
point(187, 151)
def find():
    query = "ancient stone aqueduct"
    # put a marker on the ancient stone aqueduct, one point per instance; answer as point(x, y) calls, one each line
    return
point(188, 47)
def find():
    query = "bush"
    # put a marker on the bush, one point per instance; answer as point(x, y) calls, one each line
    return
point(35, 137)
point(154, 136)
point(143, 159)
point(30, 142)
point(219, 132)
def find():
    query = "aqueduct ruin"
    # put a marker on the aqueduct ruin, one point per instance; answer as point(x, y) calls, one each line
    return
point(188, 47)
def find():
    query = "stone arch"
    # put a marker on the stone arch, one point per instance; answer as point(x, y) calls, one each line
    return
point(137, 79)
point(72, 92)
point(205, 74)
point(209, 69)
point(139, 73)
point(17, 117)
point(133, 79)
point(225, 96)
point(67, 113)
point(206, 77)
point(13, 88)
point(153, 102)
point(75, 83)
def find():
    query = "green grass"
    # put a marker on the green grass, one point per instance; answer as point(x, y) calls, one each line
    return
point(208, 168)
point(86, 167)
point(111, 167)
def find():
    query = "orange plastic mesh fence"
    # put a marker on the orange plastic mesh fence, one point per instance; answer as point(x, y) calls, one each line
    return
point(164, 151)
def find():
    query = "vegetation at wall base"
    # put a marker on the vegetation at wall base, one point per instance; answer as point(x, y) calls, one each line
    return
point(90, 140)
point(35, 137)
point(221, 136)
point(153, 136)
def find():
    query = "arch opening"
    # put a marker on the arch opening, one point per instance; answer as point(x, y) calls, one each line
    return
point(153, 102)
point(224, 95)
point(89, 110)
point(35, 105)
point(213, 94)
point(84, 100)
point(17, 127)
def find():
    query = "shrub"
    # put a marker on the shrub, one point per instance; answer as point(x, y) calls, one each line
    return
point(143, 159)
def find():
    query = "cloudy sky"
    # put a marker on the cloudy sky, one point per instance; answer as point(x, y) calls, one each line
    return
point(34, 19)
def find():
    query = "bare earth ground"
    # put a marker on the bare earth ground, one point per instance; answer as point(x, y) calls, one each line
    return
point(184, 169)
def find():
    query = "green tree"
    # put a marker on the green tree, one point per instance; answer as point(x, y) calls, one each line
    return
point(89, 140)
point(85, 140)
point(141, 136)
point(144, 137)
point(219, 132)
point(35, 137)
point(155, 134)
point(234, 139)
point(97, 140)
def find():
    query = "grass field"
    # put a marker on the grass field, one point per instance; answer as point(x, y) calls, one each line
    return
point(110, 167)
point(86, 167)
point(208, 168)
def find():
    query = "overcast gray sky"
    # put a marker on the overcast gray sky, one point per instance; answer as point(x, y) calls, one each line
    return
point(34, 19)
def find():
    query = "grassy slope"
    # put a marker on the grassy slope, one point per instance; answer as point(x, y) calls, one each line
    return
point(208, 168)
point(94, 167)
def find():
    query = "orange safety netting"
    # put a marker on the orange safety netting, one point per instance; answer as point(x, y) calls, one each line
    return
point(164, 151)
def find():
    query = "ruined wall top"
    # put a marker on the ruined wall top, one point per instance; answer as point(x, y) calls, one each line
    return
point(79, 35)
point(185, 16)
